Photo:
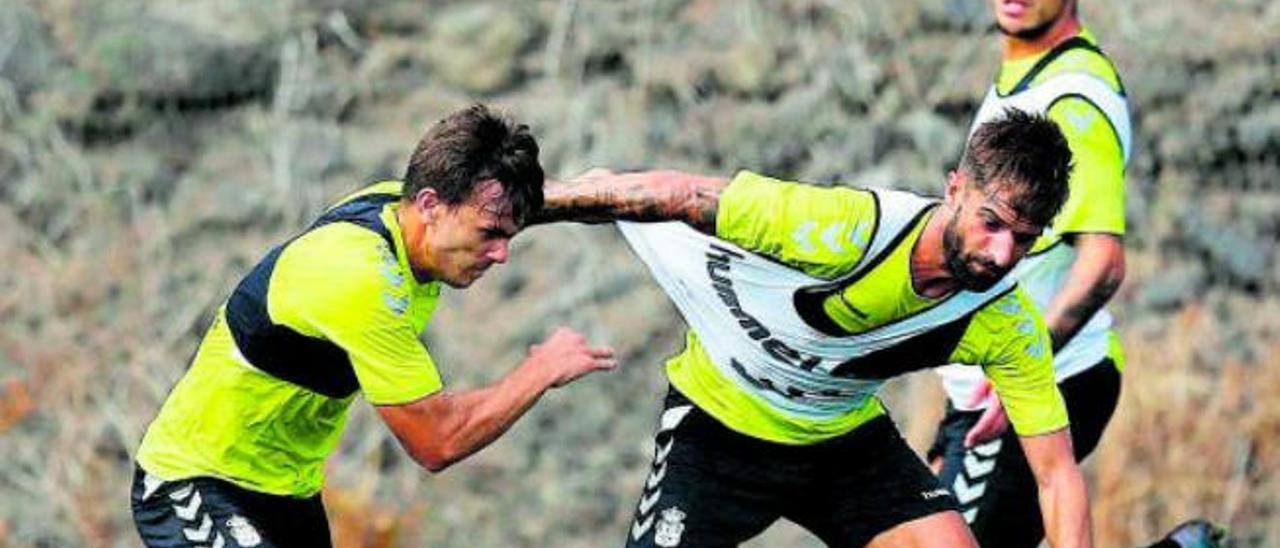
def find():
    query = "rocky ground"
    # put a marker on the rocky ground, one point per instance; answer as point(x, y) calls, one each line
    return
point(150, 152)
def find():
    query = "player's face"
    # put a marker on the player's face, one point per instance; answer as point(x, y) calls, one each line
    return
point(464, 240)
point(986, 236)
point(1028, 19)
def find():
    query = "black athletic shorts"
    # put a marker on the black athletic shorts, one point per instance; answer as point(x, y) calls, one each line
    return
point(711, 486)
point(993, 482)
point(215, 513)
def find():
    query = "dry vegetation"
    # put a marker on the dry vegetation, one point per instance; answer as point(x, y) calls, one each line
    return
point(150, 152)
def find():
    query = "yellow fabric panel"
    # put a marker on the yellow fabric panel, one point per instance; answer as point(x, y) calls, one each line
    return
point(1077, 60)
point(1115, 350)
point(697, 378)
point(882, 295)
point(229, 420)
point(1096, 203)
point(1009, 340)
point(226, 420)
point(820, 231)
point(341, 283)
point(780, 219)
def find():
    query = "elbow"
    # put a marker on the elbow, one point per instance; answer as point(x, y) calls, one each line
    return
point(431, 431)
point(435, 459)
point(1107, 286)
point(1113, 268)
point(1106, 282)
point(434, 466)
point(434, 451)
point(1100, 264)
point(1107, 289)
point(1115, 275)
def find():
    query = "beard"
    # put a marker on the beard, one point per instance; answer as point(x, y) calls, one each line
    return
point(1031, 34)
point(958, 264)
point(1035, 33)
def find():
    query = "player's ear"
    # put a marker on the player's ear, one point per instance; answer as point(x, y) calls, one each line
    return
point(427, 202)
point(957, 182)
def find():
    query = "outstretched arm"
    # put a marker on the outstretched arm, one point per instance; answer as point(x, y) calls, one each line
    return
point(445, 427)
point(600, 196)
point(1064, 501)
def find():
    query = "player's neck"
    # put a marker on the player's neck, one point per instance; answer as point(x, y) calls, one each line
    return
point(1018, 48)
point(412, 232)
point(929, 275)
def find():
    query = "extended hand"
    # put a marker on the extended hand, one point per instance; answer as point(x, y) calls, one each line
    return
point(993, 421)
point(565, 356)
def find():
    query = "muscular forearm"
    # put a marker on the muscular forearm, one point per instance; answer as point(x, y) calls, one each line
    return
point(443, 428)
point(1064, 501)
point(480, 416)
point(643, 196)
point(451, 426)
point(1065, 507)
point(1095, 276)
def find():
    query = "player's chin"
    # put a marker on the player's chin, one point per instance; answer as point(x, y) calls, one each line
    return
point(467, 277)
point(1010, 26)
point(981, 281)
point(457, 284)
point(978, 285)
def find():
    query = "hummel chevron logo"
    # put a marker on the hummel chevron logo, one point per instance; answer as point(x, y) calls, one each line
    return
point(831, 235)
point(201, 534)
point(977, 467)
point(671, 418)
point(183, 493)
point(801, 237)
point(988, 449)
point(1081, 120)
point(149, 485)
point(661, 455)
point(965, 492)
point(655, 477)
point(641, 527)
point(860, 237)
point(647, 502)
point(188, 512)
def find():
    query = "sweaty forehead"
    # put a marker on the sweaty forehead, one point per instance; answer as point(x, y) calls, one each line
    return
point(999, 199)
point(490, 197)
point(492, 201)
point(488, 190)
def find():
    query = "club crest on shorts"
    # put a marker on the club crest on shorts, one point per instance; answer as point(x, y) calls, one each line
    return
point(669, 528)
point(243, 532)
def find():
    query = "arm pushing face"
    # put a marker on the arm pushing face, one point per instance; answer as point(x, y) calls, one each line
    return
point(600, 196)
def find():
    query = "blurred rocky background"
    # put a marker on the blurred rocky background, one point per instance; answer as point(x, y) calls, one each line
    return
point(151, 152)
